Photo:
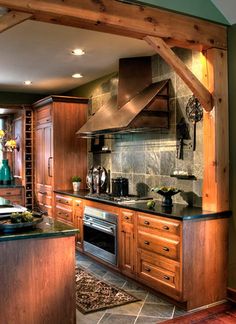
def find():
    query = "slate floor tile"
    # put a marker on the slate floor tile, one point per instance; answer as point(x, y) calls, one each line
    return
point(91, 318)
point(157, 310)
point(149, 320)
point(151, 298)
point(109, 318)
point(128, 309)
point(131, 286)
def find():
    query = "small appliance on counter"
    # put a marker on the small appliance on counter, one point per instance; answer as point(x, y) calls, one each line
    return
point(120, 187)
point(97, 179)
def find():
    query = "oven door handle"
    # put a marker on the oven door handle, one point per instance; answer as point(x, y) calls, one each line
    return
point(109, 230)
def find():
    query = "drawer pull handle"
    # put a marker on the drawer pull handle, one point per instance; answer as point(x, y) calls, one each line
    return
point(166, 277)
point(8, 193)
point(146, 223)
point(146, 242)
point(166, 249)
point(166, 228)
point(147, 269)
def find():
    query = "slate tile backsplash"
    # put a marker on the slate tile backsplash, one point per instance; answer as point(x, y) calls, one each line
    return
point(148, 159)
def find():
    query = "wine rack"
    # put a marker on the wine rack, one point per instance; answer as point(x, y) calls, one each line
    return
point(29, 203)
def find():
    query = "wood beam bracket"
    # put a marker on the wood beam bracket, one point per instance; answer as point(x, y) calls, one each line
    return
point(198, 89)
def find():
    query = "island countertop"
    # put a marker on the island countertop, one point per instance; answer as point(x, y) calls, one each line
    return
point(178, 211)
point(47, 228)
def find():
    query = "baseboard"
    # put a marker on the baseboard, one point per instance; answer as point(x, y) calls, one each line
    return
point(231, 294)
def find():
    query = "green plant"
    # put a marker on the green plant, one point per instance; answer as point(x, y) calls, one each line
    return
point(76, 179)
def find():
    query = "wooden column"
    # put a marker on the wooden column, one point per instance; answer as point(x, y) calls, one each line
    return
point(215, 133)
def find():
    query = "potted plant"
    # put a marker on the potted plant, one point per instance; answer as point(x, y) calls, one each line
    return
point(76, 180)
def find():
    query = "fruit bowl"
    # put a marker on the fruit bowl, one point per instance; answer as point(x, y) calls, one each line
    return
point(167, 193)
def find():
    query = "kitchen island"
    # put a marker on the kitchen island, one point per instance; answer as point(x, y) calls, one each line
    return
point(37, 269)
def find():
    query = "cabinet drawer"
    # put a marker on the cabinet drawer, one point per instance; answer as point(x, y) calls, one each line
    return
point(10, 192)
point(166, 247)
point(161, 224)
point(64, 200)
point(15, 199)
point(127, 216)
point(150, 271)
point(64, 214)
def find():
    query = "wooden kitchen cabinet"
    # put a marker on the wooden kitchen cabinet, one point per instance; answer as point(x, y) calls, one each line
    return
point(14, 194)
point(43, 165)
point(159, 254)
point(64, 209)
point(59, 154)
point(69, 209)
point(126, 242)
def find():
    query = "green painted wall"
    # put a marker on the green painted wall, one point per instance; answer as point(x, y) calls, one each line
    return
point(18, 98)
point(87, 89)
point(232, 136)
point(201, 8)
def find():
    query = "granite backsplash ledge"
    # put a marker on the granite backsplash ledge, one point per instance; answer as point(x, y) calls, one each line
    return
point(148, 159)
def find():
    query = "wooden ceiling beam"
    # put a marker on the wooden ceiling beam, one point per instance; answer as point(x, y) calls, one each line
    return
point(198, 89)
point(133, 20)
point(12, 18)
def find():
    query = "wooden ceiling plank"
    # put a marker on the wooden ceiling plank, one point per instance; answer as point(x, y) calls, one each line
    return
point(13, 18)
point(198, 89)
point(123, 18)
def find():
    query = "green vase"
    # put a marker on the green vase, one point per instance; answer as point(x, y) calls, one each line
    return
point(5, 173)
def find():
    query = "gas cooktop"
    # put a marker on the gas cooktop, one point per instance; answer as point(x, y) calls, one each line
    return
point(122, 199)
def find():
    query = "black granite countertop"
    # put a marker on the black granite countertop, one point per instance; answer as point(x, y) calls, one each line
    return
point(46, 229)
point(178, 211)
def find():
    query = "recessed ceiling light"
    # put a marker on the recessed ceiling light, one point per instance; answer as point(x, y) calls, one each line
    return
point(27, 82)
point(78, 51)
point(77, 75)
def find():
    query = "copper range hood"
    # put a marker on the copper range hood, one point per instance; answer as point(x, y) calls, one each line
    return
point(140, 105)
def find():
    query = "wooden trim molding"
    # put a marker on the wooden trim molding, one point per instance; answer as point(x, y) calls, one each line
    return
point(120, 18)
point(12, 18)
point(182, 70)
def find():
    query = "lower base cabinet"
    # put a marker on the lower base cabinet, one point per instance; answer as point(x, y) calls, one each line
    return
point(69, 210)
point(15, 195)
point(185, 260)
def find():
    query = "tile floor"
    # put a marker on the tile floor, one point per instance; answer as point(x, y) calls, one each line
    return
point(149, 310)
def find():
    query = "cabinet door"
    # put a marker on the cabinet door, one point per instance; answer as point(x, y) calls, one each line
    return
point(79, 225)
point(126, 244)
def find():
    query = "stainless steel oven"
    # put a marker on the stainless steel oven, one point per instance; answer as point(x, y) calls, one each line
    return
point(100, 234)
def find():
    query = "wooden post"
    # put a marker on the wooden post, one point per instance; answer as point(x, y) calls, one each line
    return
point(215, 133)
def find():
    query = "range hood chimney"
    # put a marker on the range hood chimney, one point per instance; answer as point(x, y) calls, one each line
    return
point(140, 106)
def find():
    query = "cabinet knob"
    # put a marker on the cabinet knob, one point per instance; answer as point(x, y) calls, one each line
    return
point(166, 249)
point(146, 242)
point(146, 222)
point(166, 277)
point(165, 227)
point(147, 269)
point(126, 217)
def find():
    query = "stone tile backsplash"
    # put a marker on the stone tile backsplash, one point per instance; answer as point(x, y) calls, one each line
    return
point(148, 159)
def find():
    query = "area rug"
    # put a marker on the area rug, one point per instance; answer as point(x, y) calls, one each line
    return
point(93, 294)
